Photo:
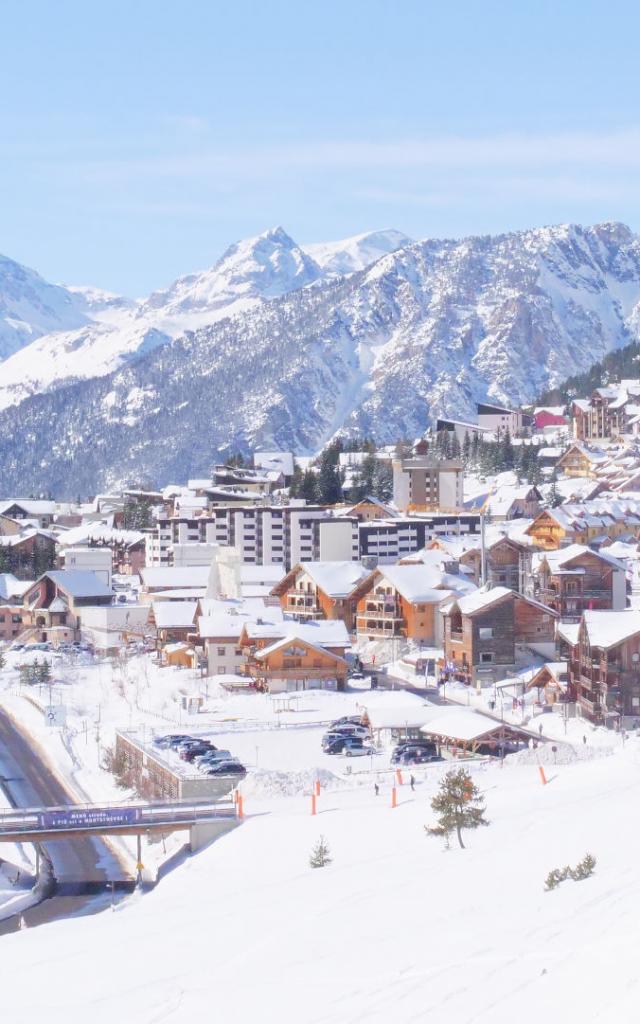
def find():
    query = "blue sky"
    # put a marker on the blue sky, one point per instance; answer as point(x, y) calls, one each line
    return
point(139, 139)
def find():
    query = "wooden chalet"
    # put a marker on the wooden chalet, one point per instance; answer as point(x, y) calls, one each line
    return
point(481, 632)
point(604, 666)
point(322, 590)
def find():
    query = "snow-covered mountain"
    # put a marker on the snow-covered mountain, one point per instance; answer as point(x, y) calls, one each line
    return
point(111, 330)
point(426, 330)
point(31, 307)
point(358, 252)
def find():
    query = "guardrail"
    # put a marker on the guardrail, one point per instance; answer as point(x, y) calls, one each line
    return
point(100, 816)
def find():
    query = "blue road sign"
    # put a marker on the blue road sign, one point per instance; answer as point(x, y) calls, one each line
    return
point(81, 817)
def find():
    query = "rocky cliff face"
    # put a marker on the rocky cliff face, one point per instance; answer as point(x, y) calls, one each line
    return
point(426, 330)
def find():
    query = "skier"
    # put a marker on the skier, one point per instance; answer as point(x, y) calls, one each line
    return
point(412, 783)
point(584, 739)
point(376, 788)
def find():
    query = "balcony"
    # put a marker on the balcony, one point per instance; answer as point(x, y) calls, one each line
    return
point(303, 672)
point(376, 625)
point(592, 707)
point(299, 604)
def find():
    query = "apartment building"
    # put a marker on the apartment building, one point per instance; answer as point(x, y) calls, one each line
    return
point(426, 484)
point(282, 534)
point(387, 540)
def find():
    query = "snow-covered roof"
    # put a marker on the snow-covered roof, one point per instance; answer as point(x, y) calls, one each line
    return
point(422, 583)
point(31, 507)
point(174, 614)
point(11, 587)
point(282, 461)
point(561, 558)
point(100, 533)
point(79, 583)
point(291, 638)
point(607, 629)
point(164, 577)
point(568, 631)
point(462, 724)
point(336, 579)
point(475, 602)
point(323, 632)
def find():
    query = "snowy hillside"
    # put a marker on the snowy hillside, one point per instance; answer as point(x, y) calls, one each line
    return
point(396, 929)
point(30, 307)
point(427, 330)
point(358, 252)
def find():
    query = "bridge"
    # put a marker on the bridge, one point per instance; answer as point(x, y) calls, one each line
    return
point(204, 821)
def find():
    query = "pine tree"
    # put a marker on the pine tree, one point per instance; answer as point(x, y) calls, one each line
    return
point(329, 482)
point(459, 805)
point(309, 487)
point(466, 449)
point(43, 674)
point(320, 854)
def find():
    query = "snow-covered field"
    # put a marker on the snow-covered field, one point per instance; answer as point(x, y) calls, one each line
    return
point(395, 929)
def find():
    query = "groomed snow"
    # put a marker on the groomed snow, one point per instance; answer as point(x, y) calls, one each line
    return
point(395, 929)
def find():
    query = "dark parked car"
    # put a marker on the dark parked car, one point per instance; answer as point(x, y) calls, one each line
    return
point(225, 768)
point(196, 750)
point(419, 757)
point(342, 744)
point(168, 741)
point(413, 747)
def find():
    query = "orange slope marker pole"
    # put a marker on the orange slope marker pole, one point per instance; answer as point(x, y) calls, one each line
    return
point(313, 803)
point(542, 775)
point(394, 797)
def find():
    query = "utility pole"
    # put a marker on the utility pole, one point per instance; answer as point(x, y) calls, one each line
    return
point(483, 553)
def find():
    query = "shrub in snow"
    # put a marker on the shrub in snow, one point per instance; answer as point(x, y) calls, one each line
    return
point(320, 854)
point(582, 870)
point(585, 868)
point(458, 804)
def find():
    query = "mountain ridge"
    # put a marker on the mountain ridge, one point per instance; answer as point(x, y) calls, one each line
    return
point(427, 330)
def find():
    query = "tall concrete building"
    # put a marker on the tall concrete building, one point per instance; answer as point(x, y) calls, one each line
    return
point(425, 484)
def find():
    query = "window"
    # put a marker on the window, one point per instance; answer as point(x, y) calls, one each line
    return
point(221, 652)
point(486, 658)
point(485, 633)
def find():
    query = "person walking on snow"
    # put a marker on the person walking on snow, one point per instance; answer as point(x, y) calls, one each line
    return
point(376, 788)
point(412, 783)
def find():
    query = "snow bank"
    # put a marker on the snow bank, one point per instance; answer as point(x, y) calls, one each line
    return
point(272, 783)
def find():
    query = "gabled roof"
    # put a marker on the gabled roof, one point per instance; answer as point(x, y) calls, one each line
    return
point(481, 599)
point(174, 614)
point(294, 638)
point(78, 583)
point(10, 586)
point(607, 629)
point(564, 556)
point(422, 583)
point(336, 579)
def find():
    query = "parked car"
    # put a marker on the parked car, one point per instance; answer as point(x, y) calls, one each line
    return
point(355, 748)
point(413, 747)
point(419, 757)
point(348, 730)
point(357, 675)
point(176, 743)
point(226, 768)
point(191, 753)
point(340, 744)
point(347, 720)
point(212, 757)
point(165, 741)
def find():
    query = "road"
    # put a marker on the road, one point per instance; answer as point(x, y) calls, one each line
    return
point(83, 870)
